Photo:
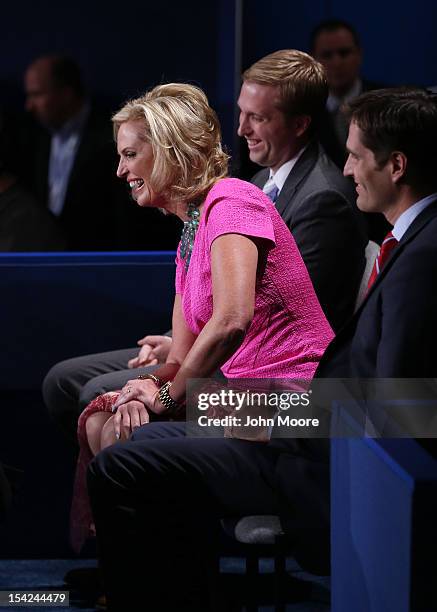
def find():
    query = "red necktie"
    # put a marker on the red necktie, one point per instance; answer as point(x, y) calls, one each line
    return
point(387, 247)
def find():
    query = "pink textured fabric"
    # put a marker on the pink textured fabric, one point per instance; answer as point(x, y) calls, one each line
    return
point(289, 332)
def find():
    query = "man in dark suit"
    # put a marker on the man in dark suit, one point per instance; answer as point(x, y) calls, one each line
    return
point(281, 100)
point(335, 44)
point(72, 165)
point(392, 159)
point(71, 155)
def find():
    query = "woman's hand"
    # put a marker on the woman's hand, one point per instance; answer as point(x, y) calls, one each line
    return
point(144, 391)
point(129, 416)
point(154, 350)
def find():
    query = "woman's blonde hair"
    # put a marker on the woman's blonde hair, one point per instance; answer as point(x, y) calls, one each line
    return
point(184, 133)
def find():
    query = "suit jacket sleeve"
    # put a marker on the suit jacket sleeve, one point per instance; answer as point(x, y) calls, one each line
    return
point(331, 242)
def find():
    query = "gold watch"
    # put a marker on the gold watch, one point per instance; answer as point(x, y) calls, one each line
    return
point(167, 401)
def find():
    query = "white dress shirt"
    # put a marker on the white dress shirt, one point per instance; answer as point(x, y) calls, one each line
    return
point(408, 216)
point(280, 176)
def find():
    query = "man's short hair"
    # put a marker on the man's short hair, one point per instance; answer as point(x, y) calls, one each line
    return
point(301, 80)
point(400, 119)
point(332, 25)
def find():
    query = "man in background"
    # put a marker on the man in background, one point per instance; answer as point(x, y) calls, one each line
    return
point(335, 44)
point(70, 155)
point(73, 165)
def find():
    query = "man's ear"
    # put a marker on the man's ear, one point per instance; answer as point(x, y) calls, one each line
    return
point(301, 124)
point(399, 163)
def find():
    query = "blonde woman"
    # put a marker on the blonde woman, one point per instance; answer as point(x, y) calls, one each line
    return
point(244, 302)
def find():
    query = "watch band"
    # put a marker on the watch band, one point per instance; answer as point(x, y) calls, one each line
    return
point(166, 400)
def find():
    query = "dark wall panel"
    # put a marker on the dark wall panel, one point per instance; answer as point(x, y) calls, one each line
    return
point(398, 38)
point(278, 24)
point(123, 50)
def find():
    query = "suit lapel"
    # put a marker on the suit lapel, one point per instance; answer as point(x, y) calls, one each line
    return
point(344, 334)
point(299, 172)
point(418, 224)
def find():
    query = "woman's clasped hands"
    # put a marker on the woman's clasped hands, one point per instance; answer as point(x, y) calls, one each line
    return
point(132, 405)
point(137, 397)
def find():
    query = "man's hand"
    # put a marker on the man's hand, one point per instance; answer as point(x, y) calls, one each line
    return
point(154, 350)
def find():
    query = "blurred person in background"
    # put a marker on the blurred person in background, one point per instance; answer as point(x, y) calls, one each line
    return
point(71, 164)
point(335, 44)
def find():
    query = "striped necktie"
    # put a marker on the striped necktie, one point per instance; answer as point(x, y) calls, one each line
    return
point(271, 190)
point(387, 246)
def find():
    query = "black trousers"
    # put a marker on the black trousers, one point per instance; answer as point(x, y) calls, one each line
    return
point(157, 500)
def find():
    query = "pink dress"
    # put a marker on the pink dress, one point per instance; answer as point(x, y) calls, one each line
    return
point(289, 332)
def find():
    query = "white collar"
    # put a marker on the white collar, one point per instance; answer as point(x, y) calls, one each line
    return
point(408, 216)
point(280, 176)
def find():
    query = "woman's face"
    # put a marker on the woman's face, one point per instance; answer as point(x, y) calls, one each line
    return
point(136, 164)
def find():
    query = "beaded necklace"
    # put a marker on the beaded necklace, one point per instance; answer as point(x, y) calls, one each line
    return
point(189, 233)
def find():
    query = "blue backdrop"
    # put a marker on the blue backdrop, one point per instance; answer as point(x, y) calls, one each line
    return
point(133, 46)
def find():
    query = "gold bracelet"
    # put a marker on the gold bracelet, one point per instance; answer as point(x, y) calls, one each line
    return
point(158, 382)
